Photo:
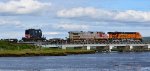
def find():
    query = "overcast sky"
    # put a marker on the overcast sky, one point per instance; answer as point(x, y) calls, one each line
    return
point(57, 17)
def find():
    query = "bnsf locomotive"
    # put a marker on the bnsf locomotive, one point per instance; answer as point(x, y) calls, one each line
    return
point(125, 36)
point(96, 37)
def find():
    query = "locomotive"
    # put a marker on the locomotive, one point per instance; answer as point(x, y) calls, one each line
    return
point(33, 35)
point(124, 36)
point(101, 37)
point(87, 37)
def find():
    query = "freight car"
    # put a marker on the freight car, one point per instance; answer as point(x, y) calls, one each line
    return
point(87, 37)
point(124, 37)
point(33, 35)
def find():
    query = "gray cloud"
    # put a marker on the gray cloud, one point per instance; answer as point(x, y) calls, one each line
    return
point(13, 7)
point(9, 22)
point(70, 26)
point(128, 16)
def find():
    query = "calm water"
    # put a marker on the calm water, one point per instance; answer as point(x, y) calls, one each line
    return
point(87, 62)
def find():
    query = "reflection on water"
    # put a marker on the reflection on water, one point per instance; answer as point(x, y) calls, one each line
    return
point(87, 62)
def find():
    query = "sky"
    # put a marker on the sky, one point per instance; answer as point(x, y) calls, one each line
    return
point(57, 17)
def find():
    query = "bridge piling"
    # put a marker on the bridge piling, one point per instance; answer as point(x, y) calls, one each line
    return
point(131, 47)
point(110, 48)
point(88, 47)
point(63, 47)
point(148, 47)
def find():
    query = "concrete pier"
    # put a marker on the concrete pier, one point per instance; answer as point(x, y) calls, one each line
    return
point(88, 47)
point(63, 47)
point(131, 47)
point(110, 48)
point(148, 46)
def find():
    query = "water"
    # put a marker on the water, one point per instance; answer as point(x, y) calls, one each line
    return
point(86, 62)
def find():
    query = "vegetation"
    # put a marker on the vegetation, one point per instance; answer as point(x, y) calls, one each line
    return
point(4, 45)
point(140, 49)
point(122, 49)
point(102, 49)
point(14, 49)
point(127, 49)
point(31, 53)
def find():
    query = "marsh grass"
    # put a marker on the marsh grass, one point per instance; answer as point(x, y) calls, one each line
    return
point(8, 49)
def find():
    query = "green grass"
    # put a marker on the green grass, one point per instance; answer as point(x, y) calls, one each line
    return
point(31, 53)
point(4, 45)
point(17, 50)
point(42, 52)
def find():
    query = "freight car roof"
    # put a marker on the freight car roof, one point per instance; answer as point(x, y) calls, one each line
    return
point(33, 29)
point(83, 32)
point(122, 32)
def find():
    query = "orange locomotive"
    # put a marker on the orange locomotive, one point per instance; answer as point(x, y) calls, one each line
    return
point(124, 36)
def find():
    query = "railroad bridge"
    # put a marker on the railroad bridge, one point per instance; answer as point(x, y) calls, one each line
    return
point(90, 46)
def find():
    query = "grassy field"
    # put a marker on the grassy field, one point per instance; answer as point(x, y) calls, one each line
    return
point(8, 49)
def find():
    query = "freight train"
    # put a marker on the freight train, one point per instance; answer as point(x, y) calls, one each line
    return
point(101, 37)
point(85, 37)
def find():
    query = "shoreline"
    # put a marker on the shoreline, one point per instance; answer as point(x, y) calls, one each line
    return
point(22, 53)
